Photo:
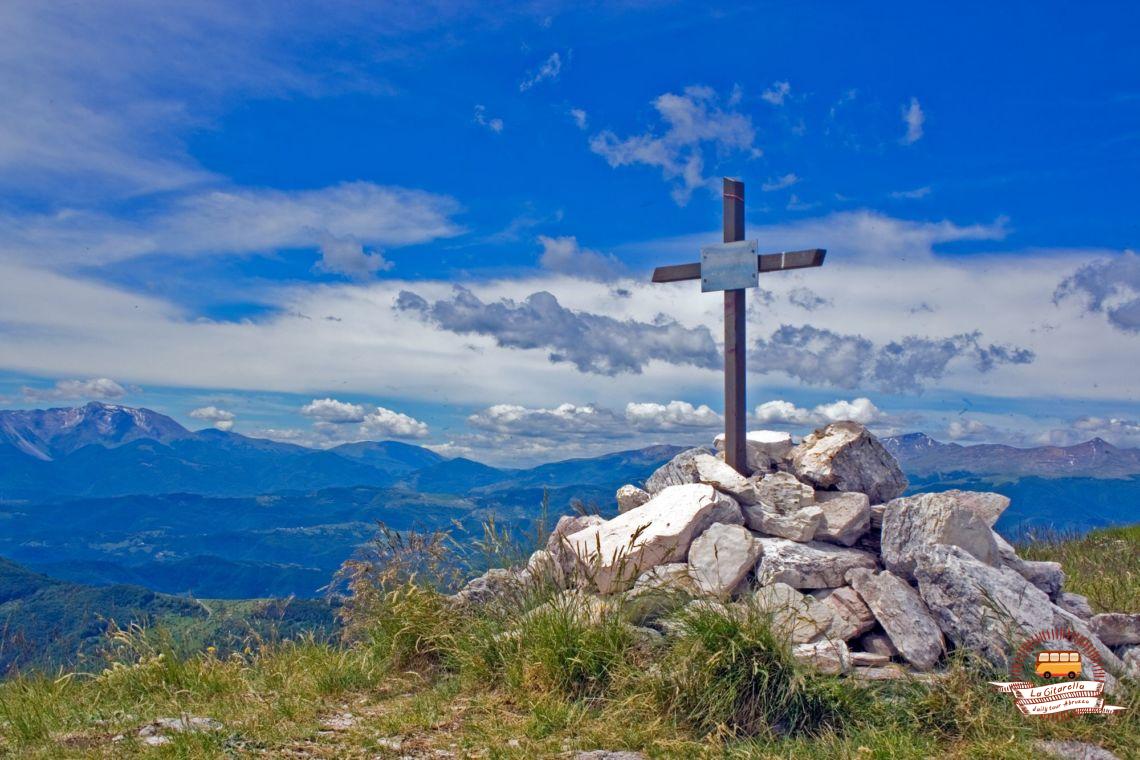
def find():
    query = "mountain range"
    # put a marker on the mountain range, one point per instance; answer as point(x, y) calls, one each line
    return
point(919, 454)
point(108, 494)
point(102, 450)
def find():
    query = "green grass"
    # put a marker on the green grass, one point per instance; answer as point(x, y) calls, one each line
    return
point(1103, 565)
point(532, 678)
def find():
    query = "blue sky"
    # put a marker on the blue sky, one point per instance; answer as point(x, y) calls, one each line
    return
point(256, 216)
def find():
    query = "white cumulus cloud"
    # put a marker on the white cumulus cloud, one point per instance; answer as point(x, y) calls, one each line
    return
point(331, 410)
point(222, 419)
point(568, 420)
point(385, 423)
point(676, 415)
point(779, 412)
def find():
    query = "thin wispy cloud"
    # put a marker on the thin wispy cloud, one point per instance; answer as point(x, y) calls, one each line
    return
point(780, 183)
point(807, 299)
point(776, 93)
point(914, 118)
point(916, 193)
point(96, 388)
point(548, 71)
point(239, 220)
point(493, 123)
point(795, 203)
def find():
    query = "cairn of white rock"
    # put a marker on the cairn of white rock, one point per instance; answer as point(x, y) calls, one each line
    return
point(861, 580)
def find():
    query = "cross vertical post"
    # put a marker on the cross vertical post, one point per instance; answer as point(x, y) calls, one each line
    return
point(735, 451)
point(732, 267)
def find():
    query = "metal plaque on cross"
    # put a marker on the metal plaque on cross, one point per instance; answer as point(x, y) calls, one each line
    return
point(729, 266)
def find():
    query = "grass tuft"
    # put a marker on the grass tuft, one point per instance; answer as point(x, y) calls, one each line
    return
point(729, 674)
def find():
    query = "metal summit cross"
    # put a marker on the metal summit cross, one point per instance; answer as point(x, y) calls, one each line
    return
point(732, 267)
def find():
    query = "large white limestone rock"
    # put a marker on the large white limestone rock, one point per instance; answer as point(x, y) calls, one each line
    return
point(812, 565)
point(978, 606)
point(719, 475)
point(611, 555)
point(798, 617)
point(631, 497)
point(914, 523)
point(1047, 576)
point(903, 615)
point(846, 516)
point(721, 558)
point(845, 457)
point(766, 449)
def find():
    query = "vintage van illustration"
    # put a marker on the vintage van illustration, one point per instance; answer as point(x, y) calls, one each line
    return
point(1055, 663)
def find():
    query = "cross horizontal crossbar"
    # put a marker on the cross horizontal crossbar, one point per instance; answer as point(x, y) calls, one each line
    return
point(765, 262)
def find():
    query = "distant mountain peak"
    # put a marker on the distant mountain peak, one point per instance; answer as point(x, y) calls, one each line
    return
point(50, 433)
